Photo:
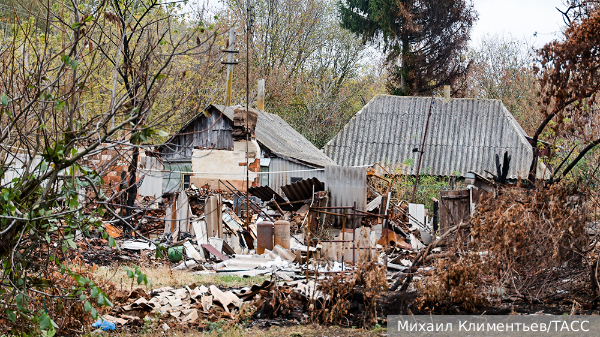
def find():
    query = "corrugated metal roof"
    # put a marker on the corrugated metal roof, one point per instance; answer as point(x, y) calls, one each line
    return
point(464, 135)
point(303, 189)
point(265, 193)
point(280, 138)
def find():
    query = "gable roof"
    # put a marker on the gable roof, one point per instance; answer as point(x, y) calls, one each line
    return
point(282, 139)
point(464, 135)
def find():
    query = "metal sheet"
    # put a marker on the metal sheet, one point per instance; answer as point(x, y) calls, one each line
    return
point(302, 190)
point(150, 170)
point(265, 193)
point(346, 185)
point(214, 252)
point(417, 213)
point(277, 180)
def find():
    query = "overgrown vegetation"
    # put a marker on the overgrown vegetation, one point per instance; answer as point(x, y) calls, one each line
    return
point(87, 81)
point(526, 244)
point(428, 186)
point(317, 74)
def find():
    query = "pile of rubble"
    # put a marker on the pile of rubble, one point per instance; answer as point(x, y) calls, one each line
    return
point(291, 240)
point(191, 306)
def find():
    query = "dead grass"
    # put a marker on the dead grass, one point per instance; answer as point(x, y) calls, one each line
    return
point(162, 276)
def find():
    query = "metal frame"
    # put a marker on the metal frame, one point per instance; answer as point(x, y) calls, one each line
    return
point(354, 216)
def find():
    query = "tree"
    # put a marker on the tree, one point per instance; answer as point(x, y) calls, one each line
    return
point(424, 40)
point(503, 68)
point(577, 10)
point(316, 73)
point(88, 80)
point(570, 86)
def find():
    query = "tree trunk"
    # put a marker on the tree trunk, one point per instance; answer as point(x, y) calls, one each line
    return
point(534, 147)
point(404, 82)
point(132, 188)
point(589, 147)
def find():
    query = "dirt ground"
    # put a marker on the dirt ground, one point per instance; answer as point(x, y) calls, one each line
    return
point(225, 330)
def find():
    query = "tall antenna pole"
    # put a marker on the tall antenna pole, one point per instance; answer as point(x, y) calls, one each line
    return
point(247, 112)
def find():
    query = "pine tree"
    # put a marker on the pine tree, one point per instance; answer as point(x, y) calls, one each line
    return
point(424, 40)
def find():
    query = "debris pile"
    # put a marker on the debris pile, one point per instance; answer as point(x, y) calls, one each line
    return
point(328, 263)
point(190, 305)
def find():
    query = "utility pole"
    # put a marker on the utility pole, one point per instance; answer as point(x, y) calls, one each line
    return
point(248, 27)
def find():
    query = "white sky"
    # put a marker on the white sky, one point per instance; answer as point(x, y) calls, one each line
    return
point(520, 19)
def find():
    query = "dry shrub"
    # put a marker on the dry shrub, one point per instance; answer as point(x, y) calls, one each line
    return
point(372, 277)
point(69, 313)
point(454, 283)
point(276, 302)
point(338, 293)
point(530, 236)
point(544, 225)
point(517, 242)
point(343, 293)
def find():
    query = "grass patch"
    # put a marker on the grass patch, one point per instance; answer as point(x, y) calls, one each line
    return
point(162, 276)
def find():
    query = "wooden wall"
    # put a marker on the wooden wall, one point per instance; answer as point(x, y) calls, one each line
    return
point(212, 132)
point(454, 207)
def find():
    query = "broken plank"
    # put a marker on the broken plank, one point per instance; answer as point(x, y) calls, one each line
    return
point(214, 252)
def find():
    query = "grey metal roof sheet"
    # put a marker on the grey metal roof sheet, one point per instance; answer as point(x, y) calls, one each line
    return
point(464, 135)
point(282, 139)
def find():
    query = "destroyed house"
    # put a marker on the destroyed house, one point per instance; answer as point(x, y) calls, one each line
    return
point(463, 135)
point(212, 147)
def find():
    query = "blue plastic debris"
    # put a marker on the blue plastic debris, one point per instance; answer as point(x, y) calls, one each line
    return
point(104, 325)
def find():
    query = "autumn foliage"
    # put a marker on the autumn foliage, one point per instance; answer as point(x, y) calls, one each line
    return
point(520, 243)
point(569, 87)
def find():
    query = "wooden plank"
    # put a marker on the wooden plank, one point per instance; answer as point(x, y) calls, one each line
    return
point(455, 197)
point(214, 252)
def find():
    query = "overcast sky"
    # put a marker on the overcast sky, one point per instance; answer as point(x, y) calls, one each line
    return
point(519, 18)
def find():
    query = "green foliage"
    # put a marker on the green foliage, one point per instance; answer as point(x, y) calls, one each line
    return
point(60, 105)
point(144, 135)
point(137, 275)
point(409, 162)
point(428, 187)
point(216, 327)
